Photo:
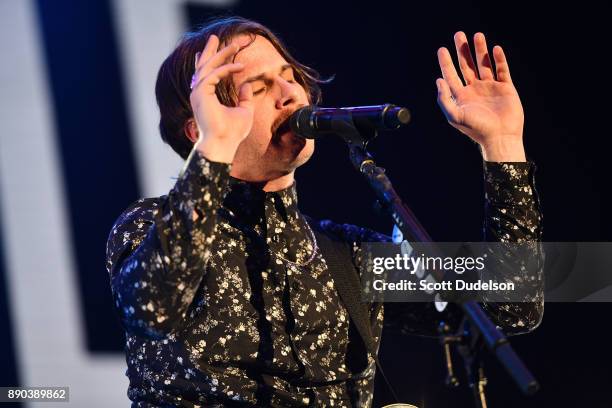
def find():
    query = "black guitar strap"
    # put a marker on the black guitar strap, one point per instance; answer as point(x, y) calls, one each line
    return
point(346, 278)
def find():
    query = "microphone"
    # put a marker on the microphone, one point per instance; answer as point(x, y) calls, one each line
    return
point(311, 122)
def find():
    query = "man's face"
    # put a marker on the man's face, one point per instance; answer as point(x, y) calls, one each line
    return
point(267, 153)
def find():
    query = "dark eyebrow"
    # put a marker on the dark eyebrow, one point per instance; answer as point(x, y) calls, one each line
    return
point(263, 76)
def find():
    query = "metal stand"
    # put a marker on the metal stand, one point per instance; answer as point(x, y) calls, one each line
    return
point(471, 349)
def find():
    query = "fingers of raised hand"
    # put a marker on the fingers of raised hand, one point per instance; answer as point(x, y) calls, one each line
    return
point(245, 95)
point(446, 102)
point(215, 60)
point(208, 63)
point(449, 73)
point(501, 65)
point(211, 47)
point(485, 69)
point(466, 63)
point(211, 80)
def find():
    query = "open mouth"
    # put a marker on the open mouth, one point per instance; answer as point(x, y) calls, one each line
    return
point(284, 138)
point(282, 129)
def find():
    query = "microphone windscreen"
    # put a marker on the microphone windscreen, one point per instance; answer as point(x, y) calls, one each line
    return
point(396, 116)
point(301, 122)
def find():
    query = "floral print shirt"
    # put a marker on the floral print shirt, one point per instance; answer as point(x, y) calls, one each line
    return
point(226, 299)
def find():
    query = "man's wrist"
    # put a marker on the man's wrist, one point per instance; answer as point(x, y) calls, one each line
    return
point(504, 151)
point(215, 152)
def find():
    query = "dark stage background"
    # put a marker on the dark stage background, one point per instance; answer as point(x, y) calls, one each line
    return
point(379, 52)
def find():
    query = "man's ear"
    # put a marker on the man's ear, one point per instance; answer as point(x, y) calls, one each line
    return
point(191, 130)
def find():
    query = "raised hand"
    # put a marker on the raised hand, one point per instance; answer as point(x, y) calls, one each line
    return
point(221, 128)
point(487, 108)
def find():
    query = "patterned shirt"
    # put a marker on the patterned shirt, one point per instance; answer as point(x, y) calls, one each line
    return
point(226, 299)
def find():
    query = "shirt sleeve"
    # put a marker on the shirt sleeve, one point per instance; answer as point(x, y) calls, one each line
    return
point(157, 249)
point(512, 215)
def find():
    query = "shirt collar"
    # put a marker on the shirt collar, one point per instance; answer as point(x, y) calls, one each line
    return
point(246, 199)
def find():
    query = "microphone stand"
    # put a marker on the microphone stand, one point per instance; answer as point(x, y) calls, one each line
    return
point(478, 330)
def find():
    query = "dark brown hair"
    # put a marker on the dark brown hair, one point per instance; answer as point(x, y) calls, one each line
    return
point(173, 79)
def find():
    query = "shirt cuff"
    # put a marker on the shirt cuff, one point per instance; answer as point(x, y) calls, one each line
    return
point(509, 183)
point(201, 186)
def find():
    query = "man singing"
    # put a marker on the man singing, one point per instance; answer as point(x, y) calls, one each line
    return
point(221, 284)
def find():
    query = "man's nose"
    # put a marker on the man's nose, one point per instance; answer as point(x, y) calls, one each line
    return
point(289, 95)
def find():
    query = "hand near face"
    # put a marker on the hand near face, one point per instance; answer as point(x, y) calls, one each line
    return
point(486, 106)
point(221, 128)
